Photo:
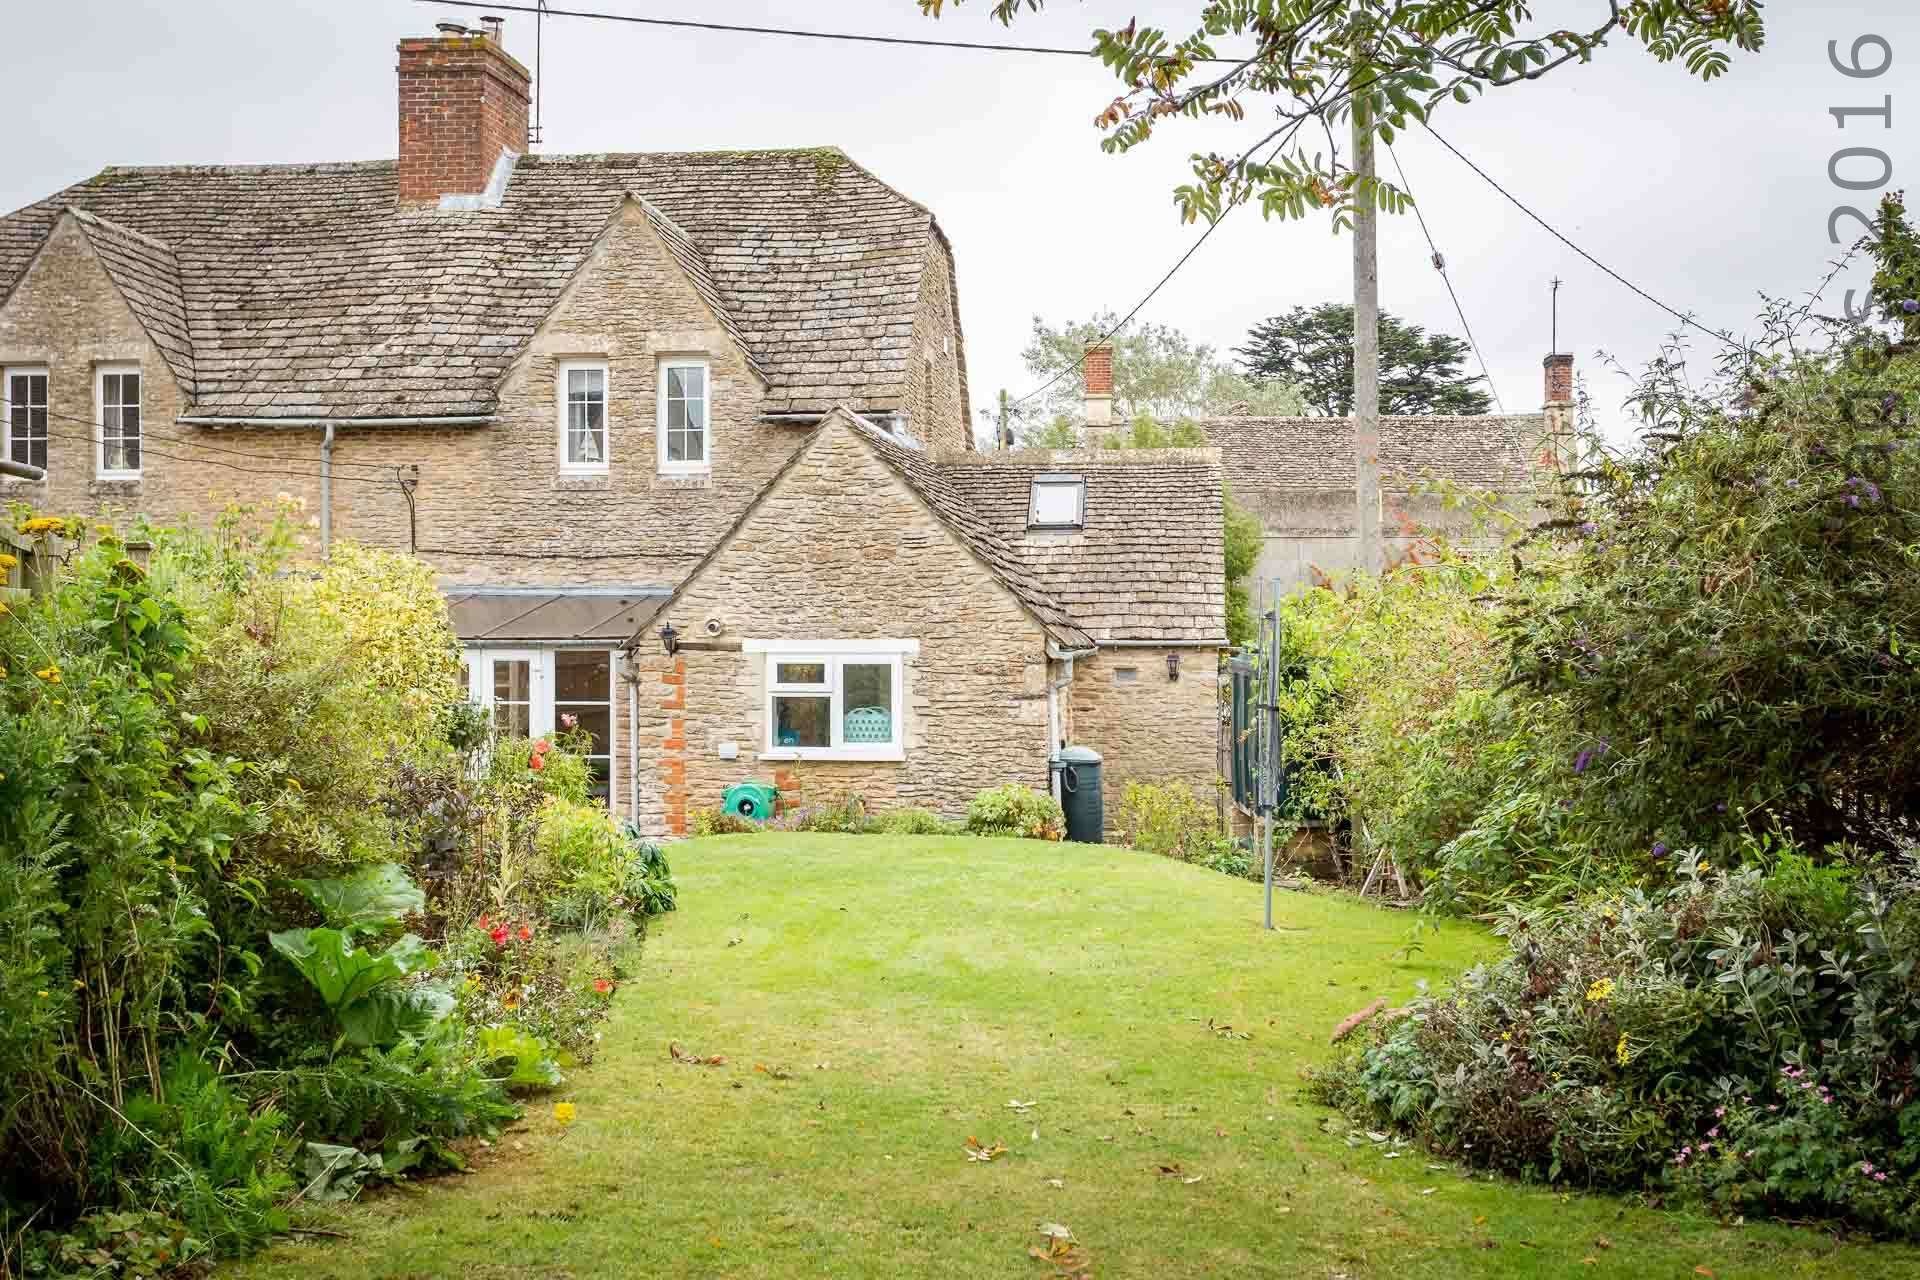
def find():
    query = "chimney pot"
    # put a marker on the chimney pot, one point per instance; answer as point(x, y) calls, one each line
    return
point(449, 28)
point(1097, 371)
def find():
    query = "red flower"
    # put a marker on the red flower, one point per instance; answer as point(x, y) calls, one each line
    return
point(603, 986)
point(526, 934)
point(482, 923)
point(538, 762)
point(499, 935)
point(541, 747)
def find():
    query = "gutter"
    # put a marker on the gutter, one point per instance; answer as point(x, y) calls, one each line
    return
point(1163, 644)
point(456, 420)
point(20, 470)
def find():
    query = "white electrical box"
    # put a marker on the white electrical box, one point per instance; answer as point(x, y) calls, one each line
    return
point(729, 751)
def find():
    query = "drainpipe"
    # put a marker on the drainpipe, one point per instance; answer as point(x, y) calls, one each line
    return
point(1056, 722)
point(633, 739)
point(326, 491)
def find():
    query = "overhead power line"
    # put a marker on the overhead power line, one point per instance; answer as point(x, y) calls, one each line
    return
point(1554, 231)
point(146, 449)
point(148, 433)
point(848, 36)
point(1440, 265)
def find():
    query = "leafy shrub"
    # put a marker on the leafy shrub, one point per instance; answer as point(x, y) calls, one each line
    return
point(366, 991)
point(913, 822)
point(1016, 810)
point(429, 1088)
point(718, 822)
point(845, 816)
point(1168, 819)
point(194, 1146)
point(1231, 858)
point(518, 1060)
point(111, 1243)
point(1727, 1036)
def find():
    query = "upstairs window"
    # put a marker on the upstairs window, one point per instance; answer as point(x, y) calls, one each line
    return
point(1057, 502)
point(583, 416)
point(683, 415)
point(26, 416)
point(117, 390)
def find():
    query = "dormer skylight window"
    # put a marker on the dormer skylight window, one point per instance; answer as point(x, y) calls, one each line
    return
point(1057, 502)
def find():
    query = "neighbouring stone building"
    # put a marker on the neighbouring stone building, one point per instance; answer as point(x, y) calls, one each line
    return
point(605, 394)
point(1452, 477)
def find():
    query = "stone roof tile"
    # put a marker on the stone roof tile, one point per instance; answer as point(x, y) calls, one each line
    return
point(805, 256)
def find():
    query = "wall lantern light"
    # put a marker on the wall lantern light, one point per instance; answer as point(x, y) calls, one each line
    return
point(1173, 666)
point(670, 639)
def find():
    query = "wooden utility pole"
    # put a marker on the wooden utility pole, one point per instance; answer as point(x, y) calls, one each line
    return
point(1001, 438)
point(1371, 553)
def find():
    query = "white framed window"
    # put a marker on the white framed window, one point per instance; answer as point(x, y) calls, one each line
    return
point(535, 692)
point(582, 397)
point(25, 425)
point(116, 396)
point(1057, 502)
point(685, 404)
point(835, 700)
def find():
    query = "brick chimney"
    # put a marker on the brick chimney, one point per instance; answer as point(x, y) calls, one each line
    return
point(463, 103)
point(1097, 370)
point(1559, 451)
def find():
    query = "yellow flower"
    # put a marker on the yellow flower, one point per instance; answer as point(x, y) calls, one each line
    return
point(50, 674)
point(293, 784)
point(42, 524)
point(4, 611)
point(1506, 1035)
point(1704, 868)
point(43, 995)
point(9, 562)
point(563, 1112)
point(1621, 1054)
point(1601, 990)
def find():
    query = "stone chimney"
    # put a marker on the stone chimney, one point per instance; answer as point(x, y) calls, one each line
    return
point(1097, 369)
point(463, 113)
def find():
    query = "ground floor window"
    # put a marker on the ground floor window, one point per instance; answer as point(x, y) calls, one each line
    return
point(532, 692)
point(839, 700)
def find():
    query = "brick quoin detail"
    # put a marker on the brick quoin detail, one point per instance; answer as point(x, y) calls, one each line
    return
point(463, 100)
point(673, 750)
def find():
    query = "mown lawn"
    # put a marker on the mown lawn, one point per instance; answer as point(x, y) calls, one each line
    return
point(899, 994)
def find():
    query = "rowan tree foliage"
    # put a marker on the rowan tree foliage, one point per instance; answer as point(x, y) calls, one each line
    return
point(1295, 64)
point(1311, 349)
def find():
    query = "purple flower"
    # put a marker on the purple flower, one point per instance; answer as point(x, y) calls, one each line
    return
point(1659, 849)
point(1581, 761)
point(1721, 807)
point(1793, 484)
point(1853, 499)
point(1889, 403)
point(1910, 306)
point(1589, 528)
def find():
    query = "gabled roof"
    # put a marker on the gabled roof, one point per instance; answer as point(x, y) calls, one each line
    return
point(929, 481)
point(147, 274)
point(309, 291)
point(1494, 451)
point(1149, 563)
point(694, 263)
point(939, 485)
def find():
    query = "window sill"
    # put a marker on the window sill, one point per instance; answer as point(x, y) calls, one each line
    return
point(876, 755)
point(111, 485)
point(688, 478)
point(587, 480)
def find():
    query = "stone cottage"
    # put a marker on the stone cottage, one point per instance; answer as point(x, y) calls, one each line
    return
point(604, 395)
point(1297, 474)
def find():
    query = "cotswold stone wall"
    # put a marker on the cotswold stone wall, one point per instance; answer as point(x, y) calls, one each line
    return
point(1146, 727)
point(841, 549)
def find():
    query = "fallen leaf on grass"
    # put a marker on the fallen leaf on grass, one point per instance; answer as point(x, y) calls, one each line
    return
point(778, 1073)
point(1054, 1230)
point(1187, 1182)
point(1061, 1252)
point(975, 1151)
point(1226, 1032)
point(1589, 1261)
point(1168, 1170)
point(1703, 1271)
point(1601, 1242)
point(1014, 1104)
point(1056, 1183)
point(694, 1059)
point(1429, 1191)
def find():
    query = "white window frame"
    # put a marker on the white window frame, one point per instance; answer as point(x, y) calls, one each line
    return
point(567, 465)
point(7, 375)
point(542, 717)
point(834, 655)
point(101, 373)
point(1059, 480)
point(705, 463)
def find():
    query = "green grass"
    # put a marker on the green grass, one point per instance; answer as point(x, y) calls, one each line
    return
point(912, 988)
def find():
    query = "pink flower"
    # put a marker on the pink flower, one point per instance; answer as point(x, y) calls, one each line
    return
point(1880, 1177)
point(1719, 1112)
point(569, 721)
point(1714, 1132)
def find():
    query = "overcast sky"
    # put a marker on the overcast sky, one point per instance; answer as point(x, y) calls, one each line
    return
point(1705, 195)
